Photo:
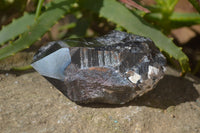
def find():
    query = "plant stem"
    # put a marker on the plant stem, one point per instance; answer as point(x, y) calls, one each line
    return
point(38, 10)
point(21, 68)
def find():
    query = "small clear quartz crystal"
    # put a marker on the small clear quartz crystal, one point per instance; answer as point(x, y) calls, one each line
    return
point(114, 68)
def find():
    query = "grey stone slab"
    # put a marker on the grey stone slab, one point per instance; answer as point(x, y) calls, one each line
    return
point(29, 103)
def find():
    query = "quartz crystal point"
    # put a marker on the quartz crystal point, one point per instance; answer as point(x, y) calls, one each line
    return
point(114, 68)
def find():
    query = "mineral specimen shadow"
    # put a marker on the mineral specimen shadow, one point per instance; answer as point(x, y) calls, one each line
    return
point(170, 91)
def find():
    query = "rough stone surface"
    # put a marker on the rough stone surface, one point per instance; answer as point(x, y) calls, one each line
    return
point(114, 68)
point(30, 104)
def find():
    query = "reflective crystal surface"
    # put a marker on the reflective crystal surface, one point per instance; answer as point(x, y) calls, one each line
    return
point(114, 68)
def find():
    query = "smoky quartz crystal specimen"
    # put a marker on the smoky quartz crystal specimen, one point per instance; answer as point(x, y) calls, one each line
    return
point(114, 68)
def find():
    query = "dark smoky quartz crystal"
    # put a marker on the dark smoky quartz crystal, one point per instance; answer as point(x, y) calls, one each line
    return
point(114, 68)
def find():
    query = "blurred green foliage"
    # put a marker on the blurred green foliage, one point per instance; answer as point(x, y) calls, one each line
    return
point(94, 18)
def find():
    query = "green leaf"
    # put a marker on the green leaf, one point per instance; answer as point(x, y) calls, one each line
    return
point(195, 3)
point(176, 19)
point(171, 4)
point(16, 28)
point(132, 23)
point(167, 3)
point(166, 6)
point(57, 10)
point(184, 19)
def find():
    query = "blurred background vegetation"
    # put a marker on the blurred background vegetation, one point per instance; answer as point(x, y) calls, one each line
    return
point(26, 25)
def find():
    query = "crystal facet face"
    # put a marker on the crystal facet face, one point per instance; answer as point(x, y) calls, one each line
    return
point(114, 68)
